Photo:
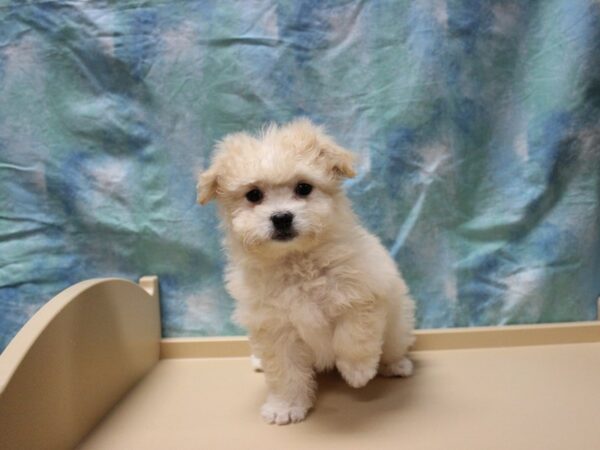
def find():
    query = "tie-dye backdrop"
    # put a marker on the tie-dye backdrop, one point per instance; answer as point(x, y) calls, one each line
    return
point(477, 125)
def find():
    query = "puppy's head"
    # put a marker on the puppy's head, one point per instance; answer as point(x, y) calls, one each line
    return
point(279, 191)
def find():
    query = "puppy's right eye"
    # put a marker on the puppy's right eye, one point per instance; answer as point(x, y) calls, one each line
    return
point(254, 196)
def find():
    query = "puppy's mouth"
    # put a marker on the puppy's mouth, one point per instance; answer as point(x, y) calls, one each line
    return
point(283, 236)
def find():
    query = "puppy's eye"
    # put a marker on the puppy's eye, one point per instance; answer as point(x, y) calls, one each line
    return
point(254, 196)
point(303, 189)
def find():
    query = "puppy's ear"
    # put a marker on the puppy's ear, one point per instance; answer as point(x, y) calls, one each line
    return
point(207, 186)
point(339, 160)
point(225, 150)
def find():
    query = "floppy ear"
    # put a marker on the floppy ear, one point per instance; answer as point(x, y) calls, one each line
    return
point(340, 160)
point(207, 186)
point(208, 183)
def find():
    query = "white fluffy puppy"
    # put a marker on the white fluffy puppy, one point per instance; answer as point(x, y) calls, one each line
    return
point(312, 287)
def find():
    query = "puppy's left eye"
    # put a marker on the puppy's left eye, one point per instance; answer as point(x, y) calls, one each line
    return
point(303, 189)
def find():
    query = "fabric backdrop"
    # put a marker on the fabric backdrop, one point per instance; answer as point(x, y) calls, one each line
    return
point(476, 122)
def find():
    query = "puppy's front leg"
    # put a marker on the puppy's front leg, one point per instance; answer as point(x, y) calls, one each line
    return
point(357, 343)
point(287, 363)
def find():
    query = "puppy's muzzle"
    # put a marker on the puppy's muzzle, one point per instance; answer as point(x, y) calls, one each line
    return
point(283, 226)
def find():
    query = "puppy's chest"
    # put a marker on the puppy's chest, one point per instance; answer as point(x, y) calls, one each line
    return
point(301, 286)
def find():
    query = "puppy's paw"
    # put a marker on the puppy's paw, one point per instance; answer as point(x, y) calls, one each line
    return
point(357, 374)
point(401, 368)
point(256, 363)
point(281, 413)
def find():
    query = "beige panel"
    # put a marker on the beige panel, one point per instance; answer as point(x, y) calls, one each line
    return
point(508, 336)
point(74, 359)
point(443, 339)
point(517, 398)
point(204, 347)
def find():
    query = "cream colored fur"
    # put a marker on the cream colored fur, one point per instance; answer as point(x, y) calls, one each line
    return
point(330, 297)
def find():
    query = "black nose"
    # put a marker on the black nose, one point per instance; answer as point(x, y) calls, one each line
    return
point(282, 221)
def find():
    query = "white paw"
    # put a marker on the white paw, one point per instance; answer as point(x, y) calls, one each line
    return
point(401, 368)
point(356, 374)
point(256, 363)
point(282, 413)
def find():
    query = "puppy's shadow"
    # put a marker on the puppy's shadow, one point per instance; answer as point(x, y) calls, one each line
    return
point(340, 407)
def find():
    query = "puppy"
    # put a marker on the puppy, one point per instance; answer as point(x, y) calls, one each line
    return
point(313, 288)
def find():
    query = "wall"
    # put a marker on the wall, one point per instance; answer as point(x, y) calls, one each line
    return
point(477, 125)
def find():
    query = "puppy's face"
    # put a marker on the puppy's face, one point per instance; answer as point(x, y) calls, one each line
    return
point(280, 191)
